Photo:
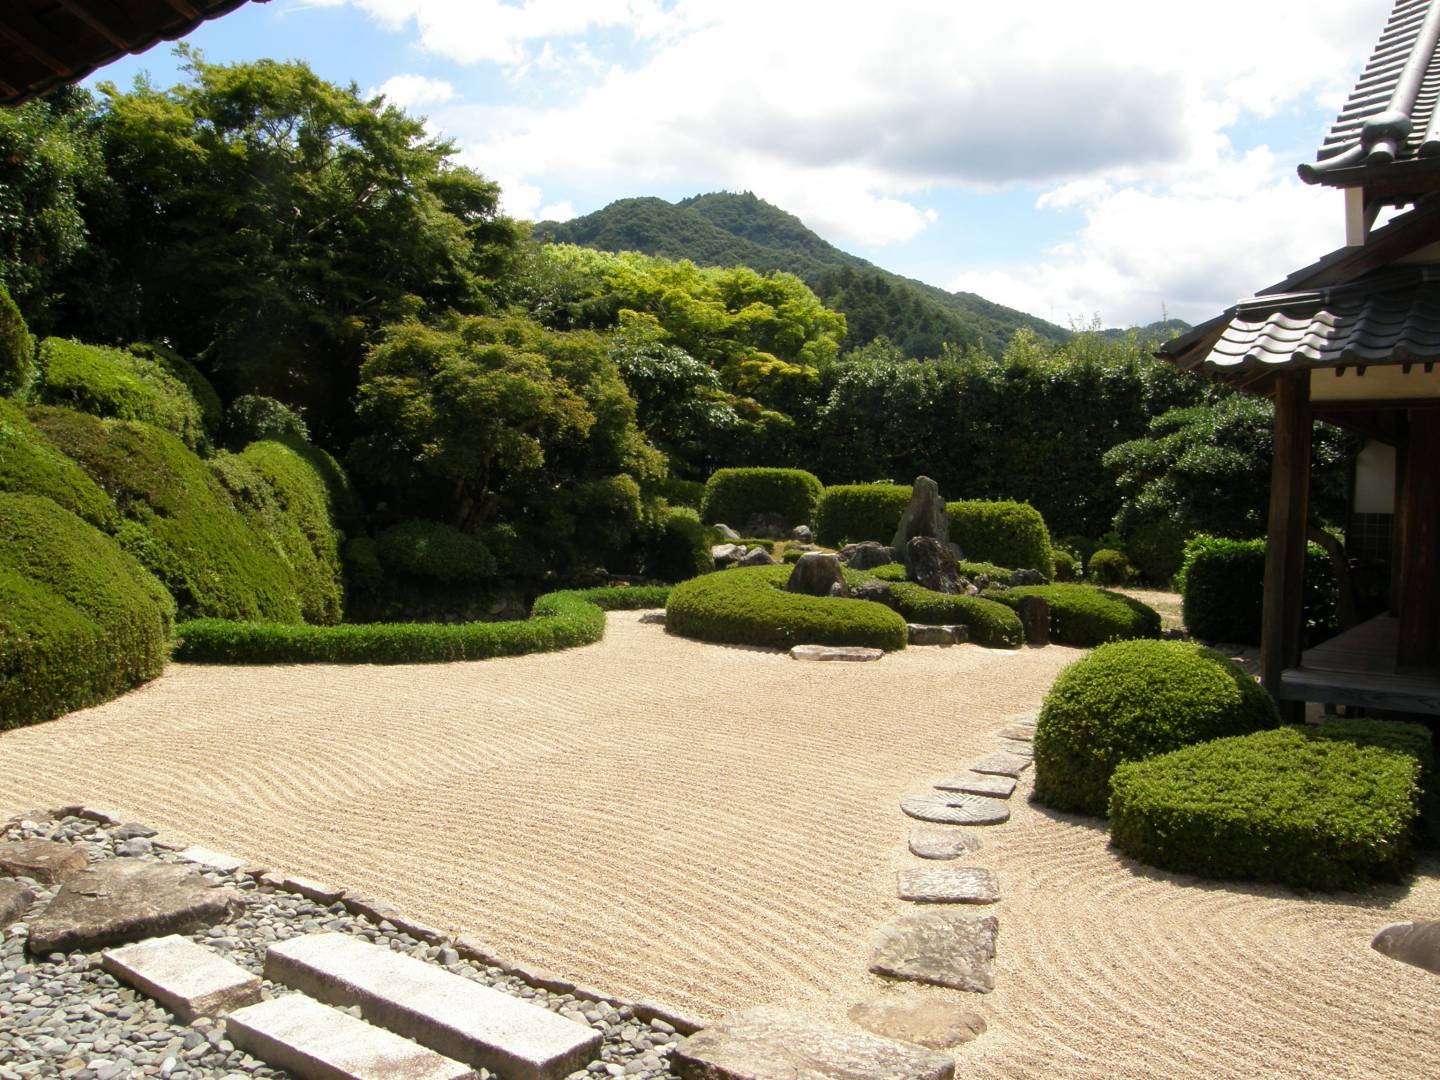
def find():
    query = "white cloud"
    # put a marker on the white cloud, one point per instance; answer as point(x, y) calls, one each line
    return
point(561, 211)
point(408, 91)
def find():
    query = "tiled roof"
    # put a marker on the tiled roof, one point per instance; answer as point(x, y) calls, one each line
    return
point(1391, 115)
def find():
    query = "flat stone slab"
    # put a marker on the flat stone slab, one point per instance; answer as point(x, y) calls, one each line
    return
point(927, 634)
point(41, 860)
point(835, 652)
point(1002, 763)
point(956, 809)
point(997, 787)
point(188, 979)
point(936, 1024)
point(1017, 747)
point(122, 900)
point(654, 618)
point(943, 948)
point(1019, 732)
point(772, 1043)
point(947, 885)
point(211, 860)
point(313, 1040)
point(312, 890)
point(448, 1013)
point(1415, 943)
point(942, 843)
point(15, 900)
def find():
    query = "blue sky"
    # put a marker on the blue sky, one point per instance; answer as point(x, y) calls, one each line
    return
point(1116, 159)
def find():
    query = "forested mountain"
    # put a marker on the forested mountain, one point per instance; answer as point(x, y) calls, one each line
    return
point(727, 229)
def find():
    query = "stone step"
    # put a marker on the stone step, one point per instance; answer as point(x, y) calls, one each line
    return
point(956, 808)
point(996, 787)
point(447, 1012)
point(1003, 763)
point(188, 979)
point(316, 1042)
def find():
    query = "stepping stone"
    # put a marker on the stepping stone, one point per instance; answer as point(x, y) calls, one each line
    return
point(212, 860)
point(999, 787)
point(835, 652)
point(311, 890)
point(122, 900)
point(309, 1039)
point(1018, 748)
point(15, 900)
point(771, 1043)
point(943, 948)
point(948, 885)
point(936, 1024)
point(41, 860)
point(188, 979)
point(656, 618)
point(448, 1013)
point(1002, 763)
point(956, 809)
point(1019, 732)
point(942, 843)
point(1415, 943)
point(923, 634)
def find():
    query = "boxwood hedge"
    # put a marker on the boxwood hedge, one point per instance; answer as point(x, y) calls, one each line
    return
point(80, 620)
point(992, 625)
point(1131, 700)
point(749, 606)
point(1222, 584)
point(1008, 533)
point(852, 513)
point(1293, 805)
point(30, 465)
point(1084, 616)
point(733, 495)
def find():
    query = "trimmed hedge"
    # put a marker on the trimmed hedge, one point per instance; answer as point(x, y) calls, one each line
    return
point(1132, 700)
point(437, 552)
point(212, 410)
point(252, 417)
point(897, 571)
point(749, 606)
point(1110, 567)
point(681, 548)
point(80, 620)
point(853, 513)
point(1222, 585)
point(1067, 568)
point(17, 348)
point(30, 465)
point(992, 625)
point(1084, 616)
point(1293, 805)
point(733, 495)
point(1010, 533)
point(558, 620)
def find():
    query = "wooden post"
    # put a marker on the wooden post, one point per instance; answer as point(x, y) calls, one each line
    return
point(1420, 548)
point(1283, 622)
point(1397, 523)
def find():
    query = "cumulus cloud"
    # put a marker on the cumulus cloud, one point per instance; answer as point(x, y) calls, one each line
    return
point(409, 91)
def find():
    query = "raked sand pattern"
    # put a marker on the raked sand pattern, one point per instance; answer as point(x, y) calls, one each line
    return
point(718, 827)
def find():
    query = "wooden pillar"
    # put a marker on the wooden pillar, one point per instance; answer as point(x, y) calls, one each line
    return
point(1420, 547)
point(1283, 622)
point(1397, 523)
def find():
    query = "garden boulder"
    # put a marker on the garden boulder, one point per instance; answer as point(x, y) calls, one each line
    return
point(817, 574)
point(866, 556)
point(931, 565)
point(924, 516)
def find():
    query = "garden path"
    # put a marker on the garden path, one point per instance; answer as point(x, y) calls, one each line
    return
point(715, 827)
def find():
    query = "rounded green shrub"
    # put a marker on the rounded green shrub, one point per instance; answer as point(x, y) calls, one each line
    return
point(252, 417)
point(681, 547)
point(17, 348)
point(1132, 700)
point(679, 492)
point(212, 411)
point(1222, 584)
point(1067, 567)
point(432, 550)
point(749, 606)
point(1084, 616)
point(1109, 567)
point(732, 496)
point(853, 513)
point(1290, 805)
point(30, 465)
point(993, 625)
point(80, 620)
point(1007, 533)
point(1155, 544)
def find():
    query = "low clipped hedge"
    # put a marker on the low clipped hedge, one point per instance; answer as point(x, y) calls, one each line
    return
point(80, 620)
point(1132, 700)
point(1222, 586)
point(1084, 616)
point(31, 465)
point(853, 513)
point(1009, 533)
point(434, 551)
point(558, 620)
point(749, 606)
point(733, 495)
point(1299, 806)
point(992, 625)
point(897, 571)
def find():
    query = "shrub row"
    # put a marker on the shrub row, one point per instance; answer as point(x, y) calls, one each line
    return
point(992, 625)
point(1222, 585)
point(853, 513)
point(1007, 533)
point(1084, 616)
point(733, 495)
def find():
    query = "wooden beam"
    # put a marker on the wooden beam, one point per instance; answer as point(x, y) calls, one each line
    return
point(124, 37)
point(1282, 623)
point(1420, 572)
point(185, 9)
point(26, 34)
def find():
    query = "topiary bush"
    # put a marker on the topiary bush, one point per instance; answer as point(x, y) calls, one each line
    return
point(679, 492)
point(1132, 700)
point(432, 550)
point(992, 625)
point(30, 465)
point(749, 606)
point(733, 495)
point(1084, 616)
point(1292, 805)
point(852, 513)
point(252, 417)
point(80, 620)
point(1222, 586)
point(681, 548)
point(1067, 567)
point(1008, 533)
point(212, 410)
point(17, 348)
point(1110, 567)
point(1155, 545)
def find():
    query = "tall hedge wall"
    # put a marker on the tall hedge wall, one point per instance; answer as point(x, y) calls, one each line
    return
point(853, 513)
point(1009, 534)
point(733, 495)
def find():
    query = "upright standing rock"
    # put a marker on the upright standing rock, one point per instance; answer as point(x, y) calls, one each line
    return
point(815, 574)
point(925, 516)
point(1034, 615)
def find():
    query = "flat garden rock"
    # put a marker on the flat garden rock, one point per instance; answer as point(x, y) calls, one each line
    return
point(212, 860)
point(757, 556)
point(925, 634)
point(41, 860)
point(1017, 747)
point(188, 979)
point(929, 843)
point(122, 900)
point(997, 787)
point(1002, 763)
point(1415, 943)
point(15, 900)
point(943, 948)
point(835, 652)
point(956, 809)
point(1019, 732)
point(866, 555)
point(936, 1024)
point(656, 618)
point(772, 1043)
point(947, 885)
